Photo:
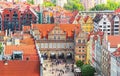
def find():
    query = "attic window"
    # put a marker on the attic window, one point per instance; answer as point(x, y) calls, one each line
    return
point(17, 55)
point(104, 22)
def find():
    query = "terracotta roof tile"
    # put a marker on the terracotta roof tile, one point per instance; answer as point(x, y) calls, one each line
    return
point(114, 40)
point(2, 33)
point(116, 53)
point(21, 67)
point(26, 28)
point(45, 28)
point(27, 49)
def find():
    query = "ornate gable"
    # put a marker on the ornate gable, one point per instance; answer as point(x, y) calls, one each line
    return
point(57, 33)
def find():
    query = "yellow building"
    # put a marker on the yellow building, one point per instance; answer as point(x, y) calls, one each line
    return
point(87, 24)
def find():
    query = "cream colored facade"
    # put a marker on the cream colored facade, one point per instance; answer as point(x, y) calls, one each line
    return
point(80, 46)
point(56, 43)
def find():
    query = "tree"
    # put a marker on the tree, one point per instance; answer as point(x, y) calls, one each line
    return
point(73, 5)
point(1, 48)
point(30, 1)
point(111, 5)
point(48, 4)
point(79, 63)
point(87, 70)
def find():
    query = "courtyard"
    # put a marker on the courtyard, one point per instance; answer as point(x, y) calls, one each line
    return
point(57, 68)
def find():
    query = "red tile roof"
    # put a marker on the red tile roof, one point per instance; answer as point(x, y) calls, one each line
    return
point(117, 11)
point(45, 28)
point(27, 41)
point(20, 68)
point(86, 18)
point(30, 67)
point(2, 33)
point(73, 17)
point(114, 40)
point(26, 28)
point(116, 53)
point(95, 35)
point(27, 49)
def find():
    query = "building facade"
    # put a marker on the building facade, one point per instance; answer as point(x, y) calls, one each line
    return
point(103, 23)
point(56, 40)
point(15, 18)
point(116, 25)
point(115, 63)
point(81, 46)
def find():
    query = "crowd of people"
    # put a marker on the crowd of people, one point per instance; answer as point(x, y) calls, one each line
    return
point(59, 67)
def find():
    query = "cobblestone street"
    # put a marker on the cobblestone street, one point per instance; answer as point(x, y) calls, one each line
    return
point(57, 70)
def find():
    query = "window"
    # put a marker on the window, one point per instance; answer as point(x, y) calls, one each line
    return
point(108, 33)
point(54, 32)
point(83, 41)
point(104, 22)
point(79, 47)
point(116, 22)
point(83, 47)
point(116, 25)
point(83, 56)
point(79, 56)
point(79, 50)
point(58, 37)
point(55, 37)
point(82, 50)
point(116, 29)
point(79, 41)
point(108, 25)
point(7, 15)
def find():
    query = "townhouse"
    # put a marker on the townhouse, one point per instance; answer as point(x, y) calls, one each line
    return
point(115, 62)
point(13, 16)
point(20, 56)
point(116, 24)
point(94, 53)
point(103, 23)
point(60, 41)
point(81, 46)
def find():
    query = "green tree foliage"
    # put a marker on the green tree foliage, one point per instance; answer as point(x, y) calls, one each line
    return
point(87, 70)
point(48, 4)
point(79, 63)
point(30, 1)
point(109, 6)
point(73, 5)
point(1, 48)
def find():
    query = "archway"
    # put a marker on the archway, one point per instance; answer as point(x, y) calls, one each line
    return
point(60, 55)
point(69, 56)
point(52, 56)
point(45, 56)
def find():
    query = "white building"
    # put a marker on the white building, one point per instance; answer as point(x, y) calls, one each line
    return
point(116, 25)
point(103, 23)
point(115, 63)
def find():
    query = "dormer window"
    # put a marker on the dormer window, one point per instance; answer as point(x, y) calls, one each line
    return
point(104, 22)
point(17, 55)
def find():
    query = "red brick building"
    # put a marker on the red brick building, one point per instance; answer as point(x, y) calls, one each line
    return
point(16, 15)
